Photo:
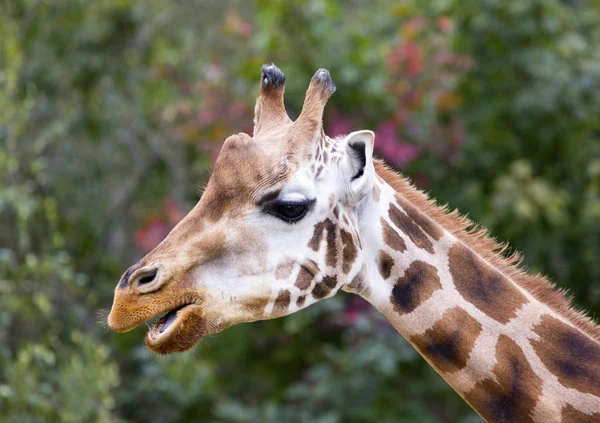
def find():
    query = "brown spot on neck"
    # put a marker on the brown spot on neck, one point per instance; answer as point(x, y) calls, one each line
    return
point(569, 354)
point(428, 225)
point(449, 342)
point(385, 263)
point(391, 237)
point(483, 286)
point(418, 283)
point(410, 228)
point(513, 394)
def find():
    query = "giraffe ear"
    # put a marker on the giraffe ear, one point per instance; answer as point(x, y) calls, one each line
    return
point(358, 169)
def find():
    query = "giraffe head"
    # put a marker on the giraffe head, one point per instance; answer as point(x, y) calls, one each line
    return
point(275, 230)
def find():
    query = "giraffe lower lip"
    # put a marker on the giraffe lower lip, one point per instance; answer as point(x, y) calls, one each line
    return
point(169, 318)
point(166, 321)
point(178, 330)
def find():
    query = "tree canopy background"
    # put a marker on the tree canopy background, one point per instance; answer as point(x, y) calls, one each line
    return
point(112, 112)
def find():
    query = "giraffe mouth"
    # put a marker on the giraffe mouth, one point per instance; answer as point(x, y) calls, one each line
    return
point(178, 330)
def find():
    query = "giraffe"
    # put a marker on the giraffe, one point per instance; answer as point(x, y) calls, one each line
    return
point(290, 216)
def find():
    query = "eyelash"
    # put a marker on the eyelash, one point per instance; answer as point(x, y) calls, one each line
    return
point(278, 210)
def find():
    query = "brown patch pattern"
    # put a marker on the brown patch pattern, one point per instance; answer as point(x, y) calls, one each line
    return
point(483, 286)
point(570, 355)
point(391, 237)
point(410, 228)
point(300, 300)
point(315, 241)
point(571, 415)
point(385, 263)
point(512, 396)
point(429, 226)
point(323, 288)
point(332, 249)
point(489, 250)
point(418, 283)
point(449, 342)
point(349, 253)
point(308, 271)
point(328, 226)
point(282, 302)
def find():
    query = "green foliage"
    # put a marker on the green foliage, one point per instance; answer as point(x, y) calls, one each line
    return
point(111, 113)
point(528, 170)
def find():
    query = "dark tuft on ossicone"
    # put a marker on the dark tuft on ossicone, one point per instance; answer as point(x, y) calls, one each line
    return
point(325, 78)
point(272, 78)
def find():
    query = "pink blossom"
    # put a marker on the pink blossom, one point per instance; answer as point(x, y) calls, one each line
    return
point(399, 153)
point(339, 125)
point(445, 24)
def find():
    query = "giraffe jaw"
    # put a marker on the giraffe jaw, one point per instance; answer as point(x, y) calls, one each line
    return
point(178, 330)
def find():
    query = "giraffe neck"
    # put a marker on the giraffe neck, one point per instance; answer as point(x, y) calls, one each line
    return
point(511, 356)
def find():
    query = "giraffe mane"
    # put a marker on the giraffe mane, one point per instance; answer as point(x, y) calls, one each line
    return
point(479, 240)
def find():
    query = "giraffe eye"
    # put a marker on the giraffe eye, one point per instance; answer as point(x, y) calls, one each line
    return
point(290, 212)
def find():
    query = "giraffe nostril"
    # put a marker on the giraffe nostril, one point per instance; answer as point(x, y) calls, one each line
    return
point(148, 277)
